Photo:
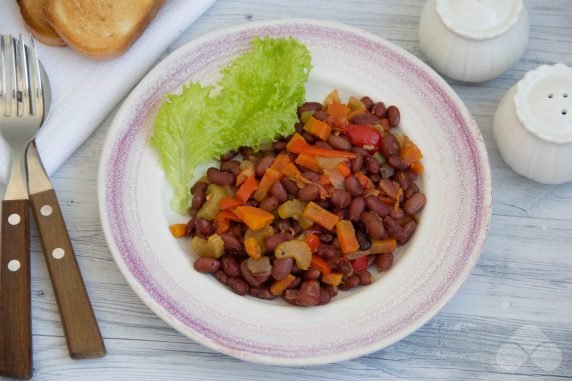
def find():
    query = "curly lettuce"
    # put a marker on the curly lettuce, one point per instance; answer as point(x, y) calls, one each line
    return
point(259, 94)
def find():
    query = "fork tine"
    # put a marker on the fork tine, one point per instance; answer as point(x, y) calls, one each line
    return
point(3, 73)
point(36, 91)
point(12, 108)
point(24, 80)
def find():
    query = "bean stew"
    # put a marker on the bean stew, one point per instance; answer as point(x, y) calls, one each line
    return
point(311, 213)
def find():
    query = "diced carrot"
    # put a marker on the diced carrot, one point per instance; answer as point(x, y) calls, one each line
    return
point(178, 230)
point(325, 180)
point(347, 236)
point(318, 128)
point(246, 189)
point(313, 150)
point(222, 221)
point(321, 264)
point(308, 161)
point(313, 241)
point(297, 144)
point(383, 246)
point(320, 216)
point(344, 169)
point(417, 167)
point(364, 180)
point(333, 97)
point(291, 171)
point(270, 177)
point(337, 109)
point(252, 247)
point(255, 218)
point(333, 279)
point(281, 161)
point(278, 286)
point(229, 203)
point(410, 153)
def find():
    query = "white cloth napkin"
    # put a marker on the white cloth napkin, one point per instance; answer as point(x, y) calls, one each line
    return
point(85, 90)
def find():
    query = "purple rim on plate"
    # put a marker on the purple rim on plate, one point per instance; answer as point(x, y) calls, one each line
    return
point(129, 137)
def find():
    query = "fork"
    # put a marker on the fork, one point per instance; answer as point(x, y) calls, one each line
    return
point(21, 113)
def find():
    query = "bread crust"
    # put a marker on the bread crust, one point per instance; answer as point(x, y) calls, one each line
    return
point(100, 29)
point(33, 15)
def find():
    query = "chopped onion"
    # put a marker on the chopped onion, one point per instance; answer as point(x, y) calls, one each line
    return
point(260, 266)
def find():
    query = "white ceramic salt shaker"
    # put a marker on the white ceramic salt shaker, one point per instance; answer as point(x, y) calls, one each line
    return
point(533, 125)
point(473, 40)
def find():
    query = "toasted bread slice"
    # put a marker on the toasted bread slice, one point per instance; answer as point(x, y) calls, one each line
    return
point(33, 14)
point(100, 28)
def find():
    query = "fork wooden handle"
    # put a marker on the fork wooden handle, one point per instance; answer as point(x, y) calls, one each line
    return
point(80, 326)
point(15, 313)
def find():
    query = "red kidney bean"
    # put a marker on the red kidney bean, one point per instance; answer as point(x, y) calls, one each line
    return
point(342, 264)
point(384, 261)
point(376, 205)
point(206, 265)
point(326, 251)
point(309, 106)
point(408, 230)
point(379, 110)
point(367, 102)
point(199, 195)
point(252, 203)
point(402, 179)
point(341, 198)
point(221, 277)
point(373, 225)
point(290, 186)
point(309, 293)
point(393, 115)
point(263, 165)
point(353, 185)
point(356, 163)
point(389, 146)
point(296, 227)
point(385, 124)
point(296, 282)
point(309, 137)
point(230, 265)
point(279, 191)
point(191, 227)
point(375, 178)
point(340, 143)
point(363, 239)
point(299, 127)
point(326, 238)
point(231, 243)
point(309, 193)
point(204, 227)
point(394, 229)
point(349, 283)
point(261, 293)
point(325, 204)
point(200, 184)
point(281, 268)
point(336, 243)
point(231, 166)
point(320, 115)
point(238, 286)
point(371, 165)
point(276, 239)
point(361, 150)
point(250, 278)
point(415, 203)
point(279, 146)
point(312, 176)
point(269, 204)
point(365, 118)
point(397, 162)
point(312, 274)
point(397, 214)
point(365, 278)
point(357, 207)
point(228, 156)
point(220, 178)
point(323, 144)
point(325, 297)
point(371, 259)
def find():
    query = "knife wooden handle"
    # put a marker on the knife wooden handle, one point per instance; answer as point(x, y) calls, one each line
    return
point(80, 326)
point(15, 299)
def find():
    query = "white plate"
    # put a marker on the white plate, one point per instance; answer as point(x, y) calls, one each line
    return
point(133, 197)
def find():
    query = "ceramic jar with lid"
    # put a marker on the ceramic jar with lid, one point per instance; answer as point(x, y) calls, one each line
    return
point(473, 40)
point(533, 125)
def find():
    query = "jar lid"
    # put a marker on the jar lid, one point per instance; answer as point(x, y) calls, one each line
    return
point(479, 19)
point(543, 103)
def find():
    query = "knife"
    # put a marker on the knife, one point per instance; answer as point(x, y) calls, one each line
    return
point(81, 330)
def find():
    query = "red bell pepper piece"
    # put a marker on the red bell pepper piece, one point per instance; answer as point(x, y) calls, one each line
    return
point(360, 264)
point(363, 136)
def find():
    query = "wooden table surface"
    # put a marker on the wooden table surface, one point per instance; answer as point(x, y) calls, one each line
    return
point(511, 320)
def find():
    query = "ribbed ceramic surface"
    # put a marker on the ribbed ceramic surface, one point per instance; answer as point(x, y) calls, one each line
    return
point(133, 196)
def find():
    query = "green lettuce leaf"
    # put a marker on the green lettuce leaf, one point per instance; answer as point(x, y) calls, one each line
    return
point(260, 92)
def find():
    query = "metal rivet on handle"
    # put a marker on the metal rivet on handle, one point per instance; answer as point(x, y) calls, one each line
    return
point(14, 219)
point(58, 253)
point(14, 265)
point(46, 210)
